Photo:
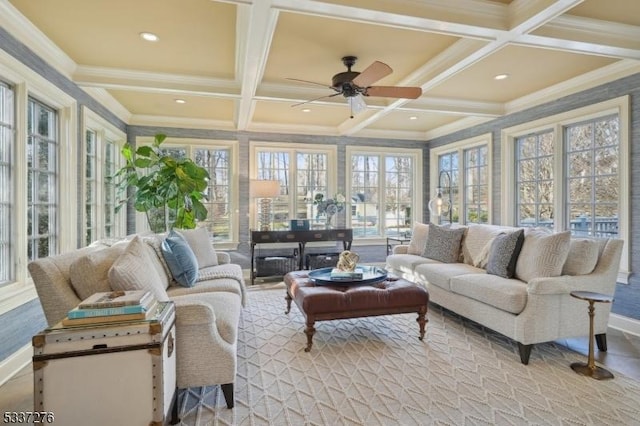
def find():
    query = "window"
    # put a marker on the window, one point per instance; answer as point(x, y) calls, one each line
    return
point(593, 184)
point(42, 194)
point(382, 190)
point(476, 185)
point(534, 179)
point(462, 169)
point(220, 160)
point(7, 140)
point(303, 172)
point(569, 171)
point(102, 146)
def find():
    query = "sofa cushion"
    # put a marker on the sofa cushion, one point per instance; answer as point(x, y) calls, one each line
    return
point(201, 245)
point(506, 294)
point(418, 238)
point(504, 254)
point(180, 258)
point(443, 244)
point(477, 242)
point(132, 270)
point(406, 262)
point(582, 257)
point(543, 254)
point(440, 274)
point(89, 273)
point(154, 241)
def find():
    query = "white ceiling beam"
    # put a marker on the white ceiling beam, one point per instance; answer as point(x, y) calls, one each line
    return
point(259, 25)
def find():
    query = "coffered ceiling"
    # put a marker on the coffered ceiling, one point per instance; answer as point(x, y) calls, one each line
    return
point(231, 61)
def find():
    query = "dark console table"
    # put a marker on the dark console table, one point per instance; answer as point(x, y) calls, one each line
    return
point(299, 237)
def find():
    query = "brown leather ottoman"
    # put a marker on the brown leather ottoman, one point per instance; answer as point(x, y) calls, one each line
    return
point(330, 302)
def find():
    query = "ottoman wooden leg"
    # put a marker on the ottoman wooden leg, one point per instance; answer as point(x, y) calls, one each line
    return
point(309, 332)
point(288, 299)
point(422, 321)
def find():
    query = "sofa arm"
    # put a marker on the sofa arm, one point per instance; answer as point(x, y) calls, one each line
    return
point(191, 312)
point(565, 284)
point(400, 249)
point(223, 257)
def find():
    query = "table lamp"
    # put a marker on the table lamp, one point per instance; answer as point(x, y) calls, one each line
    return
point(265, 190)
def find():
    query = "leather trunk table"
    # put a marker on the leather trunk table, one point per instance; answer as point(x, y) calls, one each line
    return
point(341, 301)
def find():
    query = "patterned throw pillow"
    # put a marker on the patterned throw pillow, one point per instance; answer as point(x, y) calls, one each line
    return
point(180, 258)
point(504, 254)
point(132, 271)
point(418, 238)
point(543, 254)
point(443, 244)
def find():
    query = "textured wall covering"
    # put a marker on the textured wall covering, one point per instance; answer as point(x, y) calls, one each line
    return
point(627, 296)
point(18, 325)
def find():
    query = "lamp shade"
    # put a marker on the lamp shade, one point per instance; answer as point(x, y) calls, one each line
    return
point(264, 188)
point(438, 205)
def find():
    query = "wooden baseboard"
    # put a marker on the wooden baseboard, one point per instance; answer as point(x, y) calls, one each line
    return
point(15, 362)
point(625, 324)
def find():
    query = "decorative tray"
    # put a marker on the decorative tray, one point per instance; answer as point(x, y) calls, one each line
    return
point(370, 275)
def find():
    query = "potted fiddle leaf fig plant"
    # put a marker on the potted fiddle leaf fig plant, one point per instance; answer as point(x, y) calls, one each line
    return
point(169, 190)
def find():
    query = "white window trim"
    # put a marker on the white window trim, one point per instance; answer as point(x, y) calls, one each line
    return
point(557, 123)
point(416, 153)
point(234, 200)
point(460, 147)
point(332, 169)
point(27, 83)
point(105, 132)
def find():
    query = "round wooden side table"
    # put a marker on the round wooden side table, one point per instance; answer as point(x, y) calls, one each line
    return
point(589, 368)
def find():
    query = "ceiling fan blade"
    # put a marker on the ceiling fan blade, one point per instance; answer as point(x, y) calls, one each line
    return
point(394, 92)
point(315, 99)
point(372, 73)
point(310, 82)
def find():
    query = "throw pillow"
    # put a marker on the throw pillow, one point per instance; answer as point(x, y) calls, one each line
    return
point(582, 258)
point(132, 271)
point(418, 238)
point(198, 240)
point(180, 258)
point(504, 253)
point(543, 254)
point(443, 244)
point(89, 274)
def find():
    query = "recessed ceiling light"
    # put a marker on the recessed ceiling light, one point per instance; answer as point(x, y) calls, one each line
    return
point(413, 117)
point(501, 76)
point(149, 36)
point(181, 101)
point(306, 110)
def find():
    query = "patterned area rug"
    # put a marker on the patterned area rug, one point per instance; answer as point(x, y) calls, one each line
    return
point(375, 371)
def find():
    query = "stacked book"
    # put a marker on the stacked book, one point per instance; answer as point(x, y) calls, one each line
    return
point(338, 275)
point(113, 306)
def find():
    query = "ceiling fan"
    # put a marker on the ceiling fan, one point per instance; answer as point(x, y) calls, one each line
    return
point(353, 85)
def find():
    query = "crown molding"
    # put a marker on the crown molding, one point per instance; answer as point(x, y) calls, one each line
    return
point(582, 82)
point(109, 102)
point(179, 122)
point(391, 134)
point(28, 34)
point(462, 124)
point(125, 79)
point(302, 129)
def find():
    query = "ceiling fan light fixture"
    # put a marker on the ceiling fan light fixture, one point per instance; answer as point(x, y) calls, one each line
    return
point(149, 36)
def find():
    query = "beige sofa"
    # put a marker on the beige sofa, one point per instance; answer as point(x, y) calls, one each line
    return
point(207, 314)
point(532, 307)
